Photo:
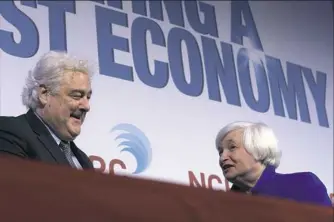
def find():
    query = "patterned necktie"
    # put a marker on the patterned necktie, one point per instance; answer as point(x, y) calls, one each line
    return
point(66, 148)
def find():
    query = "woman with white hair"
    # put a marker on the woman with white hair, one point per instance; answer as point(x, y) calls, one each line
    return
point(249, 156)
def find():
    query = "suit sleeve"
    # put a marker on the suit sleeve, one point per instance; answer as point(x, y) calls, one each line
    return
point(317, 192)
point(11, 145)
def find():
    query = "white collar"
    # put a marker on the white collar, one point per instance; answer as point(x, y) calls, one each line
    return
point(52, 134)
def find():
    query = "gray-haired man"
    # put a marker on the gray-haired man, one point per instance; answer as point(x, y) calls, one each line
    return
point(57, 94)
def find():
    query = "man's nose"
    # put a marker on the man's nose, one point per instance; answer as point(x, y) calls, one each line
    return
point(85, 104)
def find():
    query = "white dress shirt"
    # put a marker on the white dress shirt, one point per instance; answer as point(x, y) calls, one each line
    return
point(57, 140)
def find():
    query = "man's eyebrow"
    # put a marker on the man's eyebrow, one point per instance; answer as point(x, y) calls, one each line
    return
point(80, 91)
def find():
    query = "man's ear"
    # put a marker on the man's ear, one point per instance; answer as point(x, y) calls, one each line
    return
point(43, 95)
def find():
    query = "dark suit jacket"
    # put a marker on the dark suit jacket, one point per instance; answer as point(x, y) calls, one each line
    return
point(27, 137)
point(302, 187)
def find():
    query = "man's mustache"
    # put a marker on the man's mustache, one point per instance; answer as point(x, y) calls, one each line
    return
point(79, 114)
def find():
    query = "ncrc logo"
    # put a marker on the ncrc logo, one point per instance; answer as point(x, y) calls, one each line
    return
point(128, 138)
point(131, 139)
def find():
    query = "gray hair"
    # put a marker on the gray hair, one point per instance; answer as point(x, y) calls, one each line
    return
point(258, 139)
point(49, 72)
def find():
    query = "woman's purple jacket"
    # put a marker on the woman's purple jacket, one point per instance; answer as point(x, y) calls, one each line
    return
point(303, 187)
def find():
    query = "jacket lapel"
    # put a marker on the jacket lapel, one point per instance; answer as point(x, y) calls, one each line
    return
point(45, 138)
point(52, 147)
point(82, 158)
point(264, 183)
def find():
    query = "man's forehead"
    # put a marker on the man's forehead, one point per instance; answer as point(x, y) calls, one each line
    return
point(75, 78)
point(71, 74)
point(73, 71)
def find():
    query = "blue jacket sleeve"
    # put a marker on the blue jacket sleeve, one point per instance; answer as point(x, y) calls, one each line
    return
point(316, 190)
